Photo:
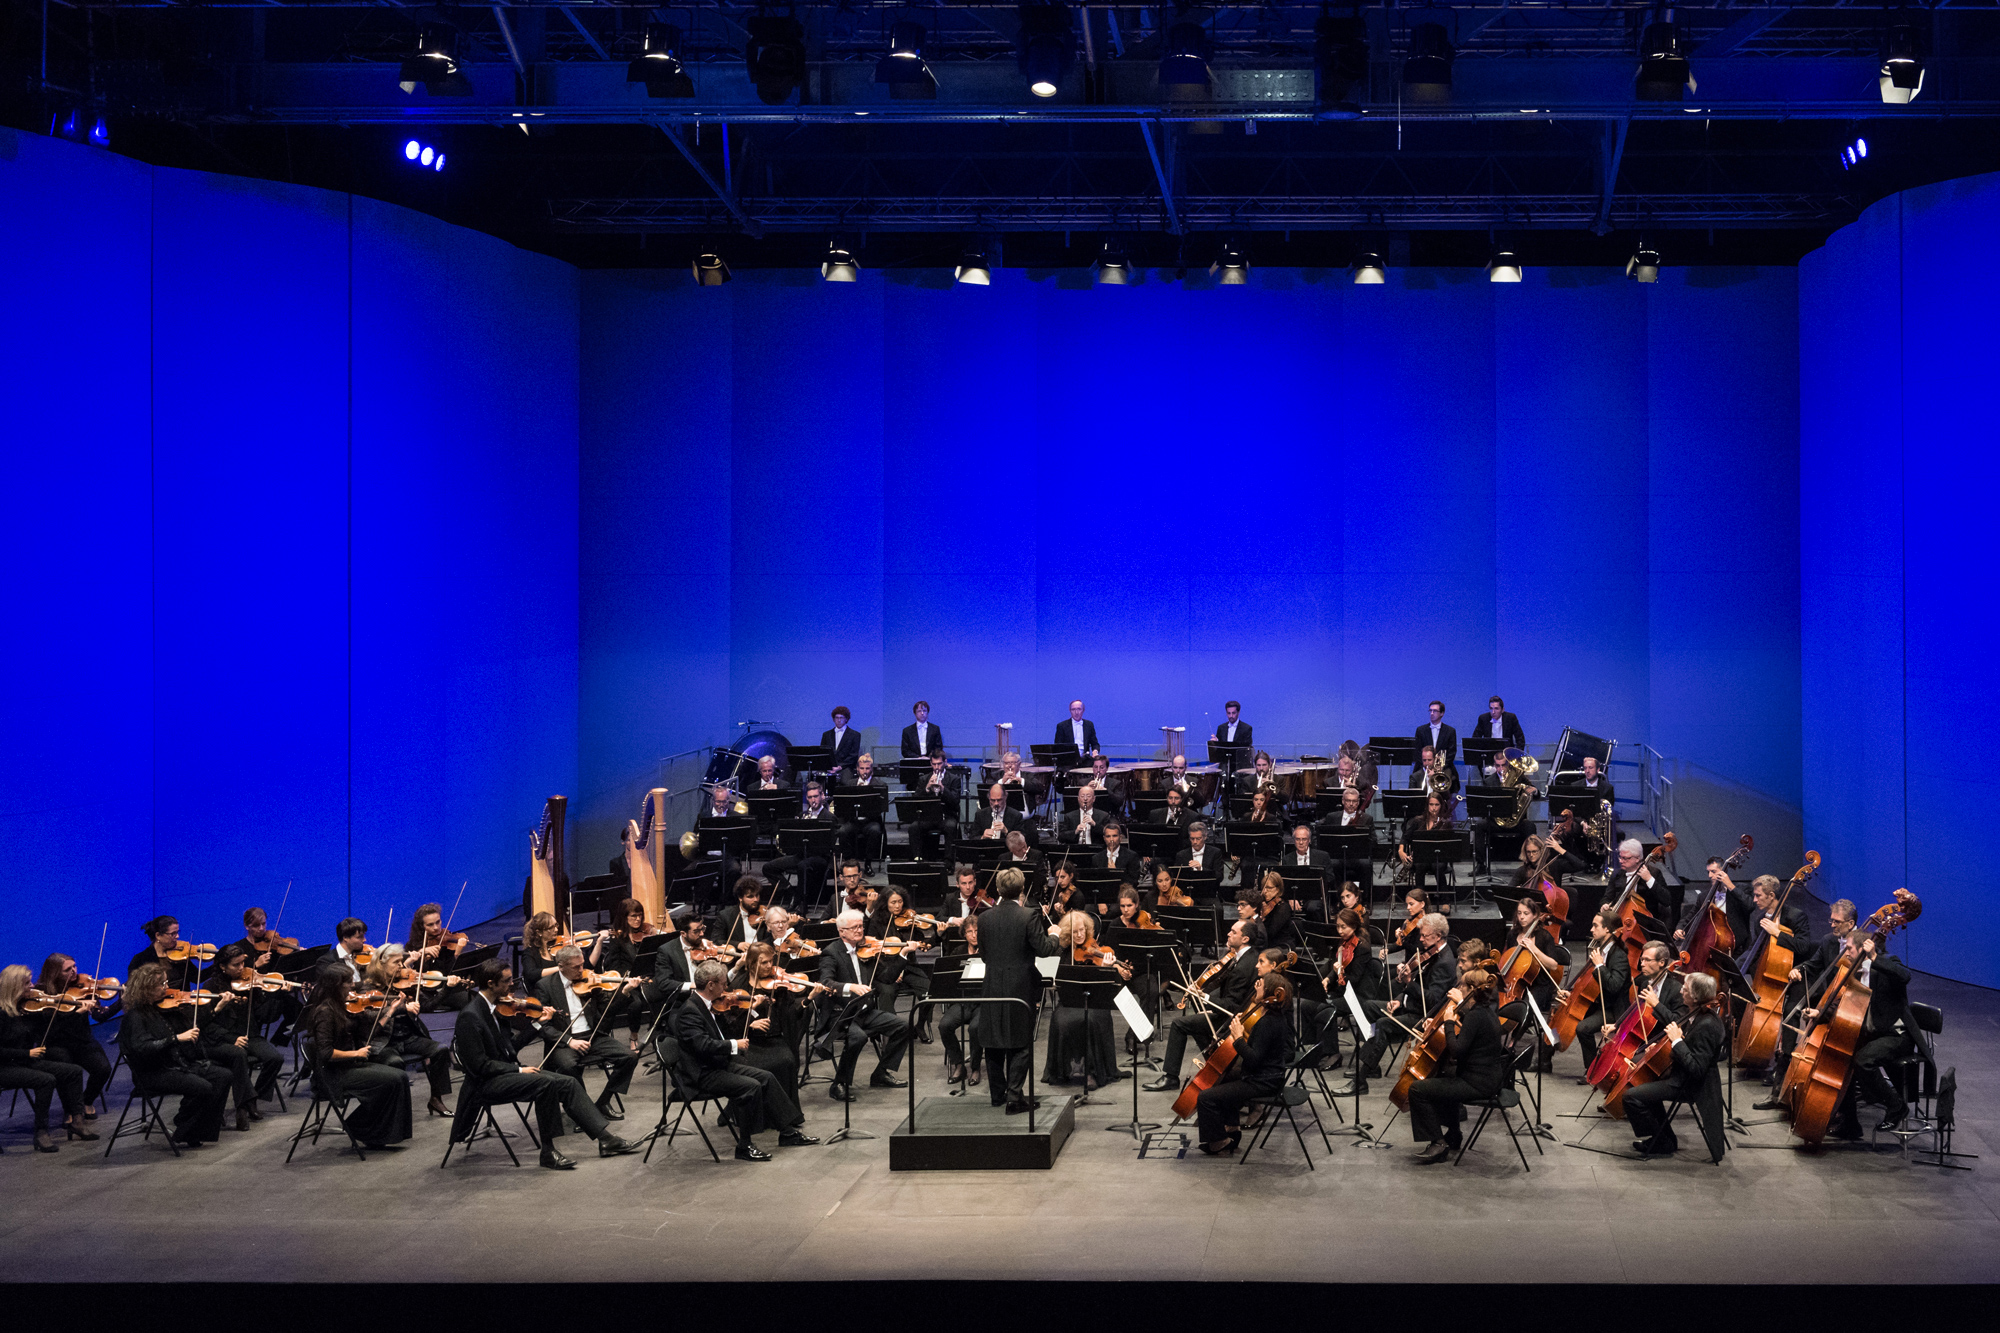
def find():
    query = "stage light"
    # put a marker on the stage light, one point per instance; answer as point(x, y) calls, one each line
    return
point(411, 149)
point(710, 271)
point(1185, 53)
point(903, 69)
point(659, 64)
point(1231, 268)
point(422, 155)
point(439, 164)
point(776, 56)
point(1340, 58)
point(1853, 155)
point(1427, 68)
point(1505, 266)
point(1644, 265)
point(435, 64)
point(1902, 65)
point(100, 133)
point(424, 158)
point(1369, 271)
point(1113, 269)
point(839, 265)
point(973, 270)
point(1046, 47)
point(1663, 68)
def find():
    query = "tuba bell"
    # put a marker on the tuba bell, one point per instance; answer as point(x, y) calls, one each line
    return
point(1516, 767)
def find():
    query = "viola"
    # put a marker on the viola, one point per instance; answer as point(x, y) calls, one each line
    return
point(798, 946)
point(197, 997)
point(1216, 1066)
point(271, 942)
point(583, 939)
point(1213, 971)
point(93, 990)
point(40, 1002)
point(362, 957)
point(184, 951)
point(264, 981)
point(525, 1007)
point(1756, 1038)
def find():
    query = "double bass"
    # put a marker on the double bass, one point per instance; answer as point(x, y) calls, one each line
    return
point(1757, 1030)
point(1627, 1043)
point(1711, 929)
point(1823, 1063)
point(1587, 993)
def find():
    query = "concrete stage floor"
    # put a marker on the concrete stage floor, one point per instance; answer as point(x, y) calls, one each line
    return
point(1767, 1214)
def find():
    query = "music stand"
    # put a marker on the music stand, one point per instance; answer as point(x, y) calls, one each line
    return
point(1260, 845)
point(1392, 751)
point(1099, 886)
point(910, 810)
point(977, 851)
point(1489, 806)
point(768, 807)
point(806, 839)
point(731, 837)
point(1479, 754)
point(1155, 842)
point(1229, 757)
point(1194, 925)
point(1075, 986)
point(1434, 849)
point(924, 881)
point(1348, 849)
point(1052, 756)
point(914, 773)
point(1305, 885)
point(948, 983)
point(808, 761)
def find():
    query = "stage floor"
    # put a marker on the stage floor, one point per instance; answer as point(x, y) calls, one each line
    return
point(1766, 1214)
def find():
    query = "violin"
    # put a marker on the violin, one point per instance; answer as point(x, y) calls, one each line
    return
point(439, 938)
point(798, 946)
point(264, 981)
point(362, 957)
point(197, 997)
point(1094, 955)
point(183, 951)
point(872, 947)
point(597, 981)
point(1201, 982)
point(701, 953)
point(432, 980)
point(271, 942)
point(1407, 929)
point(1173, 897)
point(526, 1007)
point(791, 981)
point(908, 919)
point(96, 990)
point(365, 1001)
point(731, 1001)
point(40, 1002)
point(583, 939)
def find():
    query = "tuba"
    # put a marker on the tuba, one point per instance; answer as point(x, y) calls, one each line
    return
point(1516, 767)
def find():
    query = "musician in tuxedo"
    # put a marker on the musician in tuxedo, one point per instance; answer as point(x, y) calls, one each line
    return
point(843, 740)
point(1221, 996)
point(768, 777)
point(1177, 779)
point(582, 1032)
point(1233, 731)
point(922, 738)
point(1700, 1040)
point(1010, 939)
point(1259, 778)
point(1302, 855)
point(932, 830)
point(492, 1074)
point(1264, 1059)
point(744, 923)
point(1012, 778)
point(1736, 901)
point(864, 991)
point(1613, 970)
point(1497, 724)
point(1077, 733)
point(1084, 826)
point(714, 1065)
point(1198, 855)
point(1116, 855)
point(962, 904)
point(1814, 967)
point(1024, 858)
point(1437, 733)
point(1174, 814)
point(1888, 1032)
point(996, 821)
point(673, 964)
point(1110, 791)
point(1420, 985)
point(1445, 784)
point(808, 865)
point(1660, 898)
point(859, 837)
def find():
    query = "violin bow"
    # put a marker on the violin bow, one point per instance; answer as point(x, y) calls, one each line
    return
point(281, 907)
point(452, 917)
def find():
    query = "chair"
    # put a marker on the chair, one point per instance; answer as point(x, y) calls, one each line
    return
point(325, 1102)
point(1284, 1101)
point(1504, 1103)
point(668, 1050)
point(149, 1120)
point(482, 1107)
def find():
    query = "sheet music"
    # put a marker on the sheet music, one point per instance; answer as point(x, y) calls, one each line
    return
point(1361, 1023)
point(1135, 1016)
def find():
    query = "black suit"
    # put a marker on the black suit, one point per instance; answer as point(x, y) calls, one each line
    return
point(933, 737)
point(1315, 860)
point(486, 1054)
point(931, 831)
point(704, 1062)
point(1887, 1033)
point(867, 1016)
point(1228, 992)
point(1704, 1042)
point(1110, 797)
point(1242, 740)
point(1011, 820)
point(1509, 730)
point(673, 971)
point(607, 1046)
point(1418, 774)
point(1010, 939)
point(1614, 984)
point(1423, 994)
point(1072, 825)
point(1738, 906)
point(1211, 859)
point(1127, 865)
point(1478, 1056)
point(846, 750)
point(861, 836)
point(1446, 742)
point(1066, 737)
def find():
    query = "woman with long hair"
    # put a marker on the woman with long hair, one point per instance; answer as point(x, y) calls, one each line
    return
point(70, 1039)
point(1477, 1057)
point(380, 1111)
point(27, 1062)
point(1082, 1048)
point(166, 1059)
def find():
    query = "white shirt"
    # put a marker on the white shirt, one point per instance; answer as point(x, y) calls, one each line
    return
point(579, 1026)
point(839, 735)
point(1347, 817)
point(1076, 734)
point(734, 1045)
point(1229, 732)
point(1194, 857)
point(923, 739)
point(1435, 728)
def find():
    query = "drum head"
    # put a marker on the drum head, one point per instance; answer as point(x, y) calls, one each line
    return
point(737, 762)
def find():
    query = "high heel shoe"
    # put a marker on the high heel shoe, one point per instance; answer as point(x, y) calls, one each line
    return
point(436, 1106)
point(43, 1143)
point(79, 1132)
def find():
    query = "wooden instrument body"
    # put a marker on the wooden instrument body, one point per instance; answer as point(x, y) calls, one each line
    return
point(1215, 1067)
point(1633, 1033)
point(1426, 1052)
point(1818, 1093)
point(1798, 1070)
point(1656, 1061)
point(547, 889)
point(1757, 1031)
point(1583, 997)
point(1711, 934)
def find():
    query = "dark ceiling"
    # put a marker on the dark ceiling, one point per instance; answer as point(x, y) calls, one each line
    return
point(1541, 146)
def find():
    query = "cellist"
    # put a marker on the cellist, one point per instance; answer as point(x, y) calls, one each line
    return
point(1700, 1038)
point(1227, 991)
point(1478, 1055)
point(1420, 988)
point(1614, 984)
point(1263, 1038)
point(1887, 1033)
point(1535, 934)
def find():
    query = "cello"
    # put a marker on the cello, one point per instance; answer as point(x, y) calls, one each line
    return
point(1217, 1065)
point(1631, 904)
point(1587, 993)
point(1816, 1093)
point(1757, 1030)
point(1711, 928)
point(1426, 1050)
point(1633, 1033)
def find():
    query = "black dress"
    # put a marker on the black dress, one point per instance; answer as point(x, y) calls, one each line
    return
point(1082, 1046)
point(379, 1111)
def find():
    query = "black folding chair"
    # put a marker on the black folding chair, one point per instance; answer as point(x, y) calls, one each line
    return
point(149, 1120)
point(482, 1109)
point(676, 1101)
point(325, 1102)
point(1283, 1102)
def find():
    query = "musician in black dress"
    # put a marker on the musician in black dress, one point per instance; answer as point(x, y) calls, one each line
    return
point(1700, 1038)
point(27, 1062)
point(772, 1031)
point(1613, 969)
point(1436, 818)
point(1477, 1056)
point(163, 934)
point(957, 1023)
point(399, 1038)
point(165, 1062)
point(379, 1113)
point(232, 1033)
point(1263, 1056)
point(1082, 1047)
point(1535, 932)
point(70, 1039)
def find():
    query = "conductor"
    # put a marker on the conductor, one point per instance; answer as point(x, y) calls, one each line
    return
point(1010, 937)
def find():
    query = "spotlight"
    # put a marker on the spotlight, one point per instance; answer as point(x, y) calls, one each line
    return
point(903, 69)
point(435, 64)
point(710, 271)
point(411, 149)
point(1427, 68)
point(439, 164)
point(776, 57)
point(423, 155)
point(1047, 47)
point(1340, 57)
point(839, 265)
point(1113, 269)
point(1902, 65)
point(1185, 53)
point(973, 269)
point(100, 133)
point(1369, 271)
point(659, 64)
point(1505, 266)
point(1231, 268)
point(1854, 155)
point(1644, 265)
point(1663, 66)
point(424, 158)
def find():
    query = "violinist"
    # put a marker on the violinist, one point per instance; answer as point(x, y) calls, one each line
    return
point(744, 923)
point(433, 949)
point(27, 1062)
point(1418, 991)
point(866, 989)
point(538, 948)
point(337, 1044)
point(1223, 990)
point(165, 1062)
point(163, 936)
point(1888, 1032)
point(1536, 934)
point(783, 929)
point(1700, 1038)
point(1063, 895)
point(486, 1054)
point(772, 1031)
point(1266, 816)
point(1081, 1043)
point(708, 1062)
point(265, 946)
point(966, 903)
point(397, 1037)
point(855, 892)
point(1355, 963)
point(69, 1039)
point(582, 1033)
point(1613, 969)
point(351, 942)
point(916, 976)
point(1416, 903)
point(1276, 911)
point(232, 1033)
point(1352, 899)
point(1263, 1039)
point(673, 965)
point(628, 930)
point(957, 1022)
point(1132, 916)
point(1167, 891)
point(1478, 1056)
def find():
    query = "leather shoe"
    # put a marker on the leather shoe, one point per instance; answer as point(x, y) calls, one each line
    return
point(1435, 1151)
point(839, 1092)
point(242, 1119)
point(1358, 1088)
point(1768, 1104)
point(888, 1081)
point(1648, 1148)
point(608, 1113)
point(255, 1114)
point(750, 1152)
point(79, 1132)
point(555, 1161)
point(1892, 1118)
point(613, 1146)
point(1845, 1133)
point(1162, 1084)
point(795, 1138)
point(1017, 1108)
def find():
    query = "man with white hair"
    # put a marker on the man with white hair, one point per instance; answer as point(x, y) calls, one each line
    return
point(712, 1063)
point(1650, 888)
point(864, 990)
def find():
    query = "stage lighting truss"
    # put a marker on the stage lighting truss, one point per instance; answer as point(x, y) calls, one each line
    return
point(659, 64)
point(1046, 47)
point(435, 65)
point(775, 56)
point(903, 70)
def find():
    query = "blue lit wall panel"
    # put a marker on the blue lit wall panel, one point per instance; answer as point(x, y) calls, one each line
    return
point(76, 698)
point(250, 570)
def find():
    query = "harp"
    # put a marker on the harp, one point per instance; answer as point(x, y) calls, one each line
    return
point(547, 889)
point(645, 854)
